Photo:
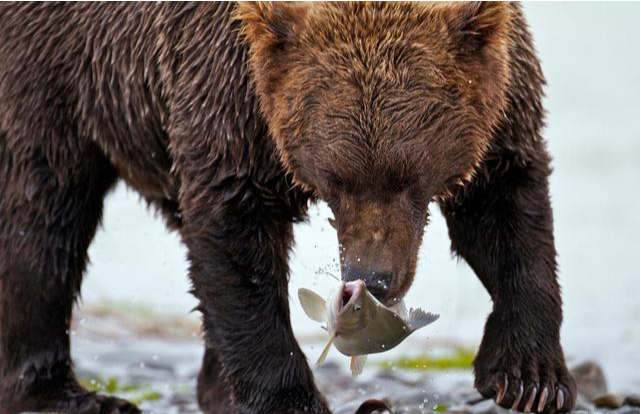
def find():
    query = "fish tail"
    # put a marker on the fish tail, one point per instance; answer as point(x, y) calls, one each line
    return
point(418, 318)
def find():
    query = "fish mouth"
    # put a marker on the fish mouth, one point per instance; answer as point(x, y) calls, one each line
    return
point(351, 292)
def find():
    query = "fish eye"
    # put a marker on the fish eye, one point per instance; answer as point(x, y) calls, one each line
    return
point(357, 308)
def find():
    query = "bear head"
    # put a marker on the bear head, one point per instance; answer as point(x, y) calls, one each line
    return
point(378, 109)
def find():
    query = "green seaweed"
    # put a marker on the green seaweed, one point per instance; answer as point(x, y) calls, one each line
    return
point(131, 387)
point(134, 392)
point(111, 386)
point(439, 408)
point(92, 384)
point(146, 396)
point(459, 359)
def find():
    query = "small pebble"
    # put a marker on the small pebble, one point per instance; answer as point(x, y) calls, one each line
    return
point(611, 401)
point(631, 400)
point(590, 379)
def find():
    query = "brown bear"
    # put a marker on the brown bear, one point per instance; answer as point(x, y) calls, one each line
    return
point(230, 119)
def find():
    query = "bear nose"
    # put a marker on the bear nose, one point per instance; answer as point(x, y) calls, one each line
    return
point(377, 282)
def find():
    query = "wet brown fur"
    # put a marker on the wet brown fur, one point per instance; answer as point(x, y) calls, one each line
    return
point(229, 120)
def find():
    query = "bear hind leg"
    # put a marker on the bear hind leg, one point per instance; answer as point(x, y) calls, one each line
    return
point(50, 206)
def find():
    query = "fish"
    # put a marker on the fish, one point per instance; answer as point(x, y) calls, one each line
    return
point(358, 324)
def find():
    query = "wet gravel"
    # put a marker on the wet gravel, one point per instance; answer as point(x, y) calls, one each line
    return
point(160, 375)
point(132, 360)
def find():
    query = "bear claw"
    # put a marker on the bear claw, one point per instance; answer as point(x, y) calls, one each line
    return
point(502, 389)
point(560, 398)
point(543, 399)
point(535, 397)
point(519, 395)
point(530, 401)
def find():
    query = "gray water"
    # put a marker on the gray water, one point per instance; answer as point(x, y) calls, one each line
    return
point(590, 55)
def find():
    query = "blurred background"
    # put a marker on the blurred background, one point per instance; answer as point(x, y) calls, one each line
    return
point(590, 55)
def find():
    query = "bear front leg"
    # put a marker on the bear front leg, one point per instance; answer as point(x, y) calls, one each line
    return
point(238, 238)
point(501, 224)
point(214, 396)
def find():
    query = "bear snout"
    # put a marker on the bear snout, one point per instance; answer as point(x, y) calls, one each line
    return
point(378, 282)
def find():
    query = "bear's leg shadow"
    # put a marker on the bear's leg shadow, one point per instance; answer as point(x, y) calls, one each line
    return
point(501, 224)
point(51, 196)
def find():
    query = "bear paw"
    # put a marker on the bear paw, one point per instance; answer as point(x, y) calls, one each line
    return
point(75, 403)
point(529, 383)
point(96, 404)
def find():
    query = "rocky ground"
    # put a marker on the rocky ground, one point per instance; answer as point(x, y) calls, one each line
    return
point(157, 367)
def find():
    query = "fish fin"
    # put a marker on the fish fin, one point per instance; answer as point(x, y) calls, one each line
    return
point(418, 318)
point(323, 355)
point(357, 364)
point(313, 305)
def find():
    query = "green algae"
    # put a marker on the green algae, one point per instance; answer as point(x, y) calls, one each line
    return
point(134, 392)
point(460, 358)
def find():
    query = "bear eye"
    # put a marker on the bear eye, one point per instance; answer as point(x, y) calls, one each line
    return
point(357, 308)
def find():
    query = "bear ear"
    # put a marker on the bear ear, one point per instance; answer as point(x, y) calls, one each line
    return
point(478, 25)
point(270, 26)
point(272, 31)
